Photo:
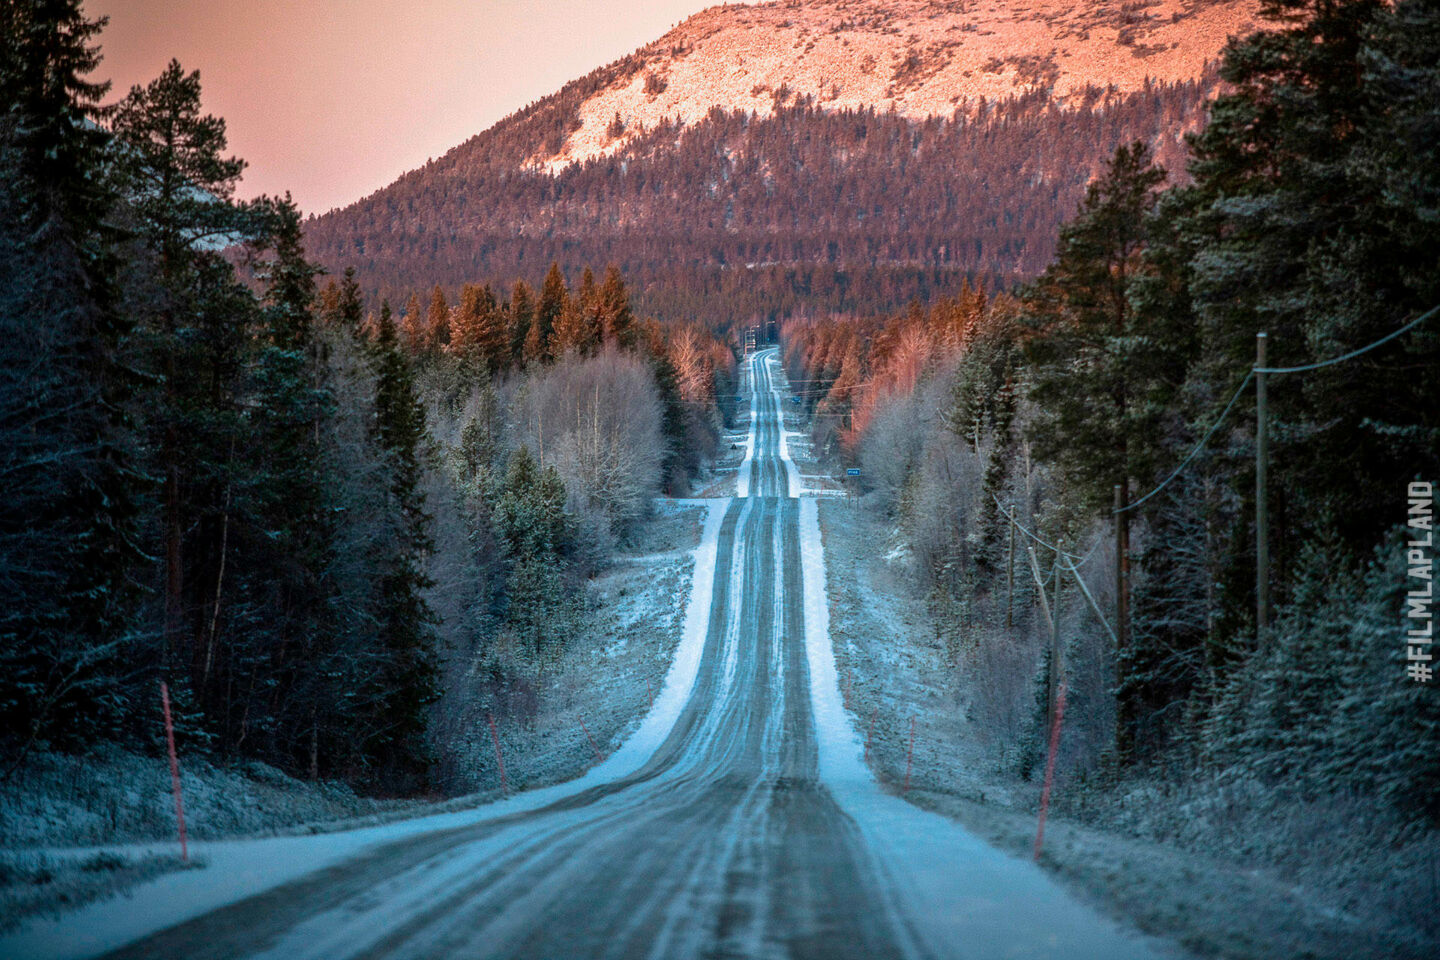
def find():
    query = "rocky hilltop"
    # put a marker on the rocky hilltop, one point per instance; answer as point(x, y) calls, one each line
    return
point(919, 58)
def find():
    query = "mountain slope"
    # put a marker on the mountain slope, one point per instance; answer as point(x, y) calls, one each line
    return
point(827, 155)
point(916, 57)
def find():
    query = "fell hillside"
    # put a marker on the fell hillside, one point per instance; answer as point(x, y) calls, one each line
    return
point(918, 58)
point(821, 155)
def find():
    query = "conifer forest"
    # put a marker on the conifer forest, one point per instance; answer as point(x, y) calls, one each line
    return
point(744, 538)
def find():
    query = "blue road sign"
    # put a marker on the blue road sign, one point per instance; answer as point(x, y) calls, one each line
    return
point(852, 471)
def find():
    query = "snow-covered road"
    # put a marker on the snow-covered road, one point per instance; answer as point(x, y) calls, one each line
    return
point(739, 821)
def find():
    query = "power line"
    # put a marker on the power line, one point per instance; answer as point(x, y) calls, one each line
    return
point(1044, 543)
point(1353, 353)
point(1196, 449)
point(1251, 374)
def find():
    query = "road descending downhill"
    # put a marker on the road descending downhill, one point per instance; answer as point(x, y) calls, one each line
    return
point(751, 827)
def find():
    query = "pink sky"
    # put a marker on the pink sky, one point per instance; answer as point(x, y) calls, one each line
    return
point(333, 99)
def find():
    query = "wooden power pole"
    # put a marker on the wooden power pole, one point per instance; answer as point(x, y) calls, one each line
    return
point(1010, 582)
point(1124, 730)
point(1122, 572)
point(1262, 517)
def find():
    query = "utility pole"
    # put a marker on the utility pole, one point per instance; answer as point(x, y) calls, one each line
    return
point(1010, 582)
point(1124, 732)
point(1262, 513)
point(1122, 572)
point(1052, 619)
point(1057, 664)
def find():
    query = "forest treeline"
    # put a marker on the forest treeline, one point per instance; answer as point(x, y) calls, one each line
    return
point(1311, 212)
point(317, 519)
point(741, 217)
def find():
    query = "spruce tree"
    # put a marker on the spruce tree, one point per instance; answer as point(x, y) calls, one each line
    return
point(551, 308)
point(1306, 224)
point(571, 332)
point(481, 338)
point(679, 457)
point(412, 336)
point(437, 326)
point(291, 503)
point(465, 336)
point(534, 533)
point(619, 322)
point(521, 316)
point(588, 302)
point(405, 682)
point(350, 308)
point(68, 542)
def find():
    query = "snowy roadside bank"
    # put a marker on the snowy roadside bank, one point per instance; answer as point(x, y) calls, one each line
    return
point(650, 620)
point(966, 889)
point(892, 667)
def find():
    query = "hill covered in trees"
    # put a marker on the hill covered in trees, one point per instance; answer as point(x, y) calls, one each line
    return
point(741, 171)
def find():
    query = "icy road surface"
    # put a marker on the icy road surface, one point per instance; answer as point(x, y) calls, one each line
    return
point(740, 821)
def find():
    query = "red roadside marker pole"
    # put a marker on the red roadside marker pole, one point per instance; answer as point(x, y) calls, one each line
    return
point(499, 759)
point(598, 757)
point(909, 756)
point(1050, 768)
point(174, 769)
point(649, 694)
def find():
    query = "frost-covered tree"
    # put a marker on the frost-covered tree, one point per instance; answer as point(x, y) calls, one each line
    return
point(535, 535)
point(599, 422)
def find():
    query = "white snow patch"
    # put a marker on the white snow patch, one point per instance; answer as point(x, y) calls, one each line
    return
point(742, 480)
point(792, 472)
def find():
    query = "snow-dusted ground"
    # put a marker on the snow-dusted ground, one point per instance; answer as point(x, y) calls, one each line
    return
point(894, 668)
point(968, 892)
point(234, 869)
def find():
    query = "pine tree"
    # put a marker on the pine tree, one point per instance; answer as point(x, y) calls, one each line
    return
point(67, 520)
point(1103, 381)
point(195, 329)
